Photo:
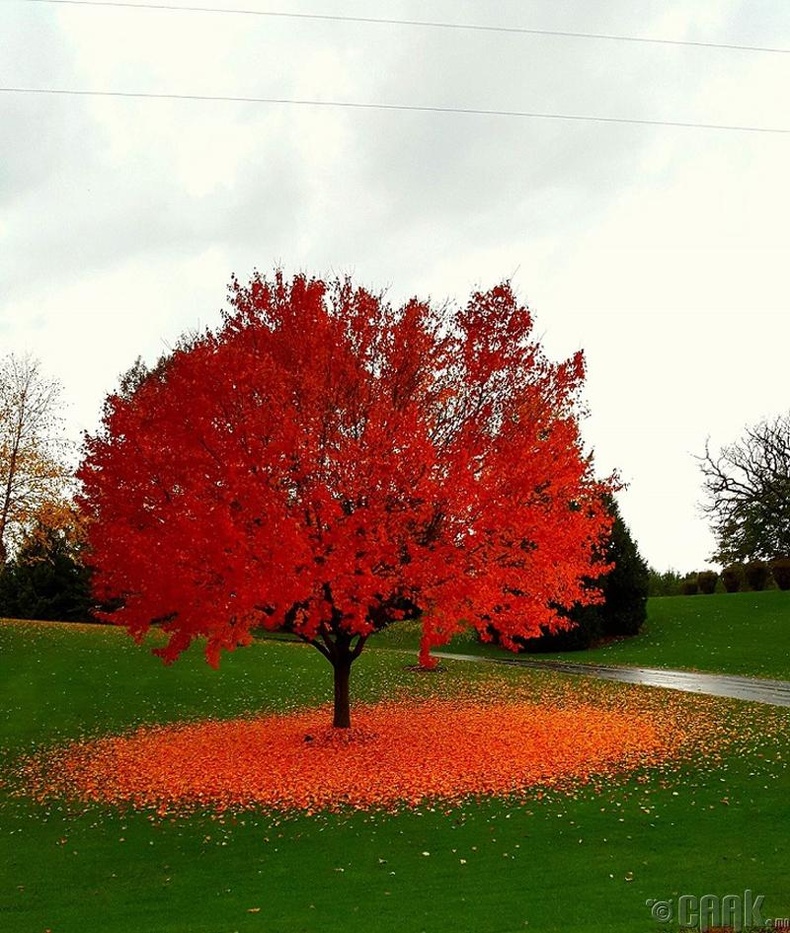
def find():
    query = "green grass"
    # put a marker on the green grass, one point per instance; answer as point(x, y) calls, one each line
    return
point(727, 633)
point(583, 862)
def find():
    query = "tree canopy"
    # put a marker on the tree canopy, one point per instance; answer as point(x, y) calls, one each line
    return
point(747, 493)
point(32, 451)
point(327, 463)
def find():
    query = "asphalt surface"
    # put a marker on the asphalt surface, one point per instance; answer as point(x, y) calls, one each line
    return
point(755, 689)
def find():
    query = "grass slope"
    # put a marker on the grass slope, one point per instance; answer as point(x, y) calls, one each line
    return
point(588, 862)
point(728, 633)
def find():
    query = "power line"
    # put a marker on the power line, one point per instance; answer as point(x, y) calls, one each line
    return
point(471, 27)
point(409, 108)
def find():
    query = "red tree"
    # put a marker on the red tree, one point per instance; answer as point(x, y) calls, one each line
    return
point(325, 463)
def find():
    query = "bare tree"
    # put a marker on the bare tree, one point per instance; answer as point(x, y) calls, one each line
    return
point(32, 449)
point(747, 488)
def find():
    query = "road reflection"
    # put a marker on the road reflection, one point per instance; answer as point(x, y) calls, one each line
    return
point(758, 690)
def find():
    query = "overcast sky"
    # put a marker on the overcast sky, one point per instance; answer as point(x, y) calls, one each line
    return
point(663, 252)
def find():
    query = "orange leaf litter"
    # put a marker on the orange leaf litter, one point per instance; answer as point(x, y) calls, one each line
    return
point(399, 754)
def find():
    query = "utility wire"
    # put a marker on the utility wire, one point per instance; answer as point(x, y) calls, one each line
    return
point(410, 108)
point(472, 27)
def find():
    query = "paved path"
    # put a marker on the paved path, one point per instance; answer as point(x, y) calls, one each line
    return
point(756, 689)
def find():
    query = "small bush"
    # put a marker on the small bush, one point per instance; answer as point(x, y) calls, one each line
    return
point(707, 580)
point(757, 574)
point(586, 633)
point(780, 568)
point(668, 583)
point(690, 585)
point(732, 578)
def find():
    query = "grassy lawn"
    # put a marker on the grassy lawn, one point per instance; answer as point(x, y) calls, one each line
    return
point(585, 861)
point(728, 633)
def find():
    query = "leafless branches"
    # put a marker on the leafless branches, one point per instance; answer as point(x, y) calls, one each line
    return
point(747, 490)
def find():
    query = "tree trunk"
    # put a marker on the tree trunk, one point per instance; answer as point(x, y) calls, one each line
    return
point(341, 650)
point(342, 670)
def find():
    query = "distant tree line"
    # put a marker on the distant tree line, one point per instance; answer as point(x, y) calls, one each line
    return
point(746, 488)
point(754, 576)
point(42, 574)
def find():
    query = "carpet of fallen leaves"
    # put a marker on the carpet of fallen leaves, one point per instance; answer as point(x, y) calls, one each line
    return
point(397, 753)
point(445, 738)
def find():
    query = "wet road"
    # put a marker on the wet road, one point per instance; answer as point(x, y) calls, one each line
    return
point(756, 689)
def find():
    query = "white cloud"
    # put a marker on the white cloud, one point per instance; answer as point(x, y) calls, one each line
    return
point(662, 252)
